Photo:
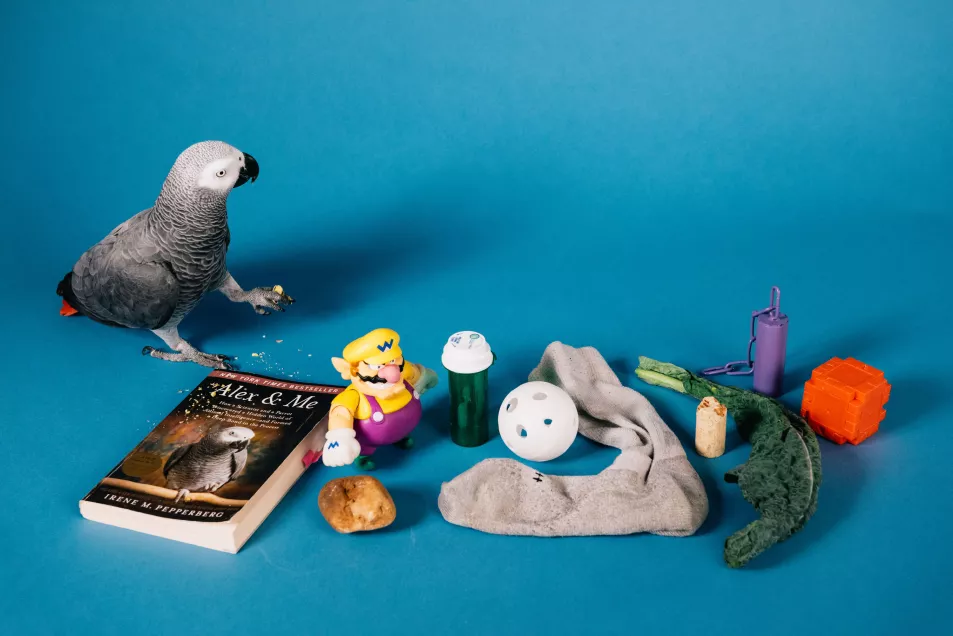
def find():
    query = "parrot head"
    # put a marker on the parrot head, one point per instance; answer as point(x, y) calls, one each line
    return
point(211, 168)
point(234, 437)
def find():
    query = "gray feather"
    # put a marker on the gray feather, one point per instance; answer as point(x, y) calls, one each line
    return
point(124, 281)
point(151, 270)
point(174, 458)
point(238, 463)
point(205, 465)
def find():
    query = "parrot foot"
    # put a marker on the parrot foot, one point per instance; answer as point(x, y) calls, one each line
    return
point(264, 300)
point(182, 495)
point(405, 444)
point(215, 361)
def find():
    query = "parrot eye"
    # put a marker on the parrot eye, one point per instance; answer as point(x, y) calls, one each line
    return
point(220, 173)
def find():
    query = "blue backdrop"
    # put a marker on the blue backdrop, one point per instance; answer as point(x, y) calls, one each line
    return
point(629, 175)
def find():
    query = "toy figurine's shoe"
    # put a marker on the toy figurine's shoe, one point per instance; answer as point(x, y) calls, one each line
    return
point(364, 462)
point(405, 444)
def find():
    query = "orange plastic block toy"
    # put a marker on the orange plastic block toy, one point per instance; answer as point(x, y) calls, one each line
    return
point(844, 400)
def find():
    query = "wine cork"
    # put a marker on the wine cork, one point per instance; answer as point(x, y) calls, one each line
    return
point(710, 423)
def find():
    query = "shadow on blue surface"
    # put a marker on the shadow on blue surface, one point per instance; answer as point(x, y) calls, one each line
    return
point(845, 477)
point(916, 398)
point(865, 342)
point(359, 255)
point(412, 507)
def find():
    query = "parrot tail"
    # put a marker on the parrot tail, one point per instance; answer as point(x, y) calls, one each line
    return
point(65, 289)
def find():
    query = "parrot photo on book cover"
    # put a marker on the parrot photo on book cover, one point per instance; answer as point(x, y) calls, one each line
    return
point(152, 270)
point(210, 463)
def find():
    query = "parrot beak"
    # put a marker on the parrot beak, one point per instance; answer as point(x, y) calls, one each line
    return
point(249, 171)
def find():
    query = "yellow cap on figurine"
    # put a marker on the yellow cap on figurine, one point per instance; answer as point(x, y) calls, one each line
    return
point(378, 347)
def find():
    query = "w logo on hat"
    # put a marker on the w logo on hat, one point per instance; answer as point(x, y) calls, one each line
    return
point(387, 345)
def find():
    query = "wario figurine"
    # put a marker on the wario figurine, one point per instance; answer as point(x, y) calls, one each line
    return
point(382, 405)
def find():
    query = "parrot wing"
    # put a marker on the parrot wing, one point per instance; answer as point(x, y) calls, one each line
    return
point(174, 458)
point(128, 223)
point(123, 280)
point(238, 463)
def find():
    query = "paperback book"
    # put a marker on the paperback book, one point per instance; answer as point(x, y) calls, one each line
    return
point(218, 464)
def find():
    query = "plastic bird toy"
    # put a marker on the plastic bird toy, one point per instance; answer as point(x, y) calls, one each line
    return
point(382, 405)
point(844, 399)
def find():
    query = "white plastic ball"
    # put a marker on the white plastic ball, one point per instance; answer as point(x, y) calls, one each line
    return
point(538, 421)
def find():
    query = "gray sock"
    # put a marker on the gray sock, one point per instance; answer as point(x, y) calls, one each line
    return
point(650, 487)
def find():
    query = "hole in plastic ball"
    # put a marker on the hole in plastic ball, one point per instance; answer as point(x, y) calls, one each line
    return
point(547, 421)
point(512, 405)
point(522, 431)
point(539, 396)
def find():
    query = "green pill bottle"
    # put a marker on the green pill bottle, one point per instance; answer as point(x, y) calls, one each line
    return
point(468, 358)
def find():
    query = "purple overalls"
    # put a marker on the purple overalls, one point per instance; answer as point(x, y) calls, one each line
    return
point(381, 429)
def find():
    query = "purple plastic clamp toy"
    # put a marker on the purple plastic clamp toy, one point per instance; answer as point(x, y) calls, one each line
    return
point(769, 328)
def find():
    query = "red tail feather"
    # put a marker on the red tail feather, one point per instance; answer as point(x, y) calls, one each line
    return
point(67, 310)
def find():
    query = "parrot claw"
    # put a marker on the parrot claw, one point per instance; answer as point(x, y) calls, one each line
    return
point(223, 362)
point(264, 300)
point(188, 353)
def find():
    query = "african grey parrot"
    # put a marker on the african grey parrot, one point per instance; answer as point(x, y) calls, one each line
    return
point(209, 463)
point(153, 269)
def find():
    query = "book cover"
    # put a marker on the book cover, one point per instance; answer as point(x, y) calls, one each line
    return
point(206, 461)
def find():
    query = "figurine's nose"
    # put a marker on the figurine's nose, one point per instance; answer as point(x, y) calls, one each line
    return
point(391, 373)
